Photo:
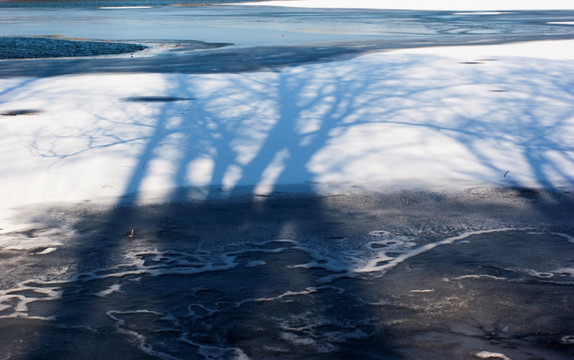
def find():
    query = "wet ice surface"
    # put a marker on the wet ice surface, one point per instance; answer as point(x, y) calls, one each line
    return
point(371, 276)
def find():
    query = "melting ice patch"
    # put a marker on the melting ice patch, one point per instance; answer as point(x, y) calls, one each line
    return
point(385, 247)
point(112, 289)
point(14, 303)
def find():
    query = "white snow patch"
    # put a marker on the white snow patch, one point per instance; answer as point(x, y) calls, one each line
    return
point(46, 251)
point(112, 289)
point(123, 7)
point(491, 355)
point(382, 263)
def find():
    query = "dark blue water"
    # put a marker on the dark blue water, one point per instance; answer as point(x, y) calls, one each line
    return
point(99, 3)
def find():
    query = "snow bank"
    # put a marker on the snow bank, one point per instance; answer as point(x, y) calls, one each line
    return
point(462, 5)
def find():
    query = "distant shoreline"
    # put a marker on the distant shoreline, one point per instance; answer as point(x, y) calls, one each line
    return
point(109, 3)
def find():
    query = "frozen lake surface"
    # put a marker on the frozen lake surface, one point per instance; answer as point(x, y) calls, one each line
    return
point(484, 272)
point(260, 37)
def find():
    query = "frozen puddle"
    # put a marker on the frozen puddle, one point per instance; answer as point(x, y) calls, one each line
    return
point(499, 291)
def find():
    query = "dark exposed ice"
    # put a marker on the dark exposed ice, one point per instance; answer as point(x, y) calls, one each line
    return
point(37, 47)
point(371, 276)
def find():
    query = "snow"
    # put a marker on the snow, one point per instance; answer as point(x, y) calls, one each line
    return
point(491, 355)
point(449, 117)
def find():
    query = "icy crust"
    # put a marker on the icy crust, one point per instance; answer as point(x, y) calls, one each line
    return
point(42, 47)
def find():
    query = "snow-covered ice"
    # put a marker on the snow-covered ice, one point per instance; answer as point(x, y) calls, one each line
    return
point(417, 118)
